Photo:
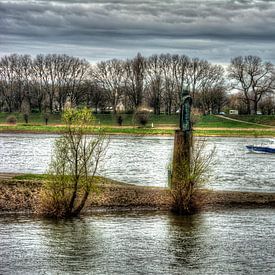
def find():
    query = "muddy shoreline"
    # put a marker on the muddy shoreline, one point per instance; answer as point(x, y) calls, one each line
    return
point(22, 196)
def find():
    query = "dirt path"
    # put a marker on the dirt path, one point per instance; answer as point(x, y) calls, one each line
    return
point(235, 129)
point(246, 122)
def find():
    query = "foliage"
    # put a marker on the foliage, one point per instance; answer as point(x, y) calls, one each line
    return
point(188, 177)
point(73, 166)
point(141, 116)
point(11, 119)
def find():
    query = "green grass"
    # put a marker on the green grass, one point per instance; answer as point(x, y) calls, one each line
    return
point(31, 177)
point(142, 131)
point(220, 122)
point(109, 125)
point(110, 119)
point(210, 121)
point(158, 120)
point(106, 129)
point(31, 128)
point(46, 177)
point(261, 119)
point(235, 133)
point(34, 118)
point(138, 131)
point(102, 119)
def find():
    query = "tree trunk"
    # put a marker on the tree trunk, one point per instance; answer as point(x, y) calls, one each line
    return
point(255, 107)
point(81, 204)
point(248, 109)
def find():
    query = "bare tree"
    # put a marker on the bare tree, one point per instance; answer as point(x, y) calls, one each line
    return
point(253, 78)
point(41, 82)
point(180, 73)
point(8, 81)
point(95, 95)
point(196, 75)
point(15, 73)
point(211, 92)
point(155, 82)
point(135, 78)
point(111, 76)
point(267, 105)
point(76, 75)
point(173, 70)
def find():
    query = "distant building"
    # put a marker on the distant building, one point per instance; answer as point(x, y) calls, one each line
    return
point(233, 112)
point(120, 107)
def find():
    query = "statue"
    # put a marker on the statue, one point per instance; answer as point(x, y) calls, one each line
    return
point(185, 110)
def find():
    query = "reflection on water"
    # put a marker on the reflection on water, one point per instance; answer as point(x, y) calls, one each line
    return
point(144, 160)
point(136, 243)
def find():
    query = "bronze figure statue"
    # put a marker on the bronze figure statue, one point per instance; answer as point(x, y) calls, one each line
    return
point(185, 110)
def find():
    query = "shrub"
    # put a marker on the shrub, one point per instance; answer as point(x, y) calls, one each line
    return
point(73, 167)
point(119, 120)
point(46, 117)
point(26, 118)
point(11, 119)
point(188, 177)
point(141, 116)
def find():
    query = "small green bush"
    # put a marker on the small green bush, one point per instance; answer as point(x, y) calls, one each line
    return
point(26, 118)
point(141, 116)
point(11, 119)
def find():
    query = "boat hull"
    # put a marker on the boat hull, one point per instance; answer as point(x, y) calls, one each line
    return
point(260, 149)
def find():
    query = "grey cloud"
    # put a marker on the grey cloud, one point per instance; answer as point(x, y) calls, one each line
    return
point(211, 29)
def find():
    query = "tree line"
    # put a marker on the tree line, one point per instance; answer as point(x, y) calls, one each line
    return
point(48, 82)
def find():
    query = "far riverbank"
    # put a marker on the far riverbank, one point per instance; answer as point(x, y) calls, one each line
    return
point(130, 130)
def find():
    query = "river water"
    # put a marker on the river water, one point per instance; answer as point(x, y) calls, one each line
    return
point(235, 242)
point(144, 160)
point(223, 242)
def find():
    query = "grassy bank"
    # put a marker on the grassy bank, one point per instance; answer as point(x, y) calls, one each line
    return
point(21, 193)
point(234, 132)
point(209, 121)
point(162, 125)
point(260, 119)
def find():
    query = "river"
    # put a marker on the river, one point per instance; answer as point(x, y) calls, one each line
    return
point(144, 160)
point(235, 242)
point(222, 242)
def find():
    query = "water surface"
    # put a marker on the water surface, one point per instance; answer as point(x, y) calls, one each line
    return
point(235, 242)
point(144, 160)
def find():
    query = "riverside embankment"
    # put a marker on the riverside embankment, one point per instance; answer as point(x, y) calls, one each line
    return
point(22, 196)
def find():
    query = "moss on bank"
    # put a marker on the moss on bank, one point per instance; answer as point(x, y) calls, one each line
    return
point(21, 195)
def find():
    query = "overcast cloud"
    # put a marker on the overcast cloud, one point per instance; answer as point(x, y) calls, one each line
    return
point(96, 30)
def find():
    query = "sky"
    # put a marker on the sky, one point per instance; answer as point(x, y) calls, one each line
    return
point(98, 30)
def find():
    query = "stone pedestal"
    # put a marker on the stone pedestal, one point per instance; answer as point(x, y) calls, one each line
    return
point(181, 156)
